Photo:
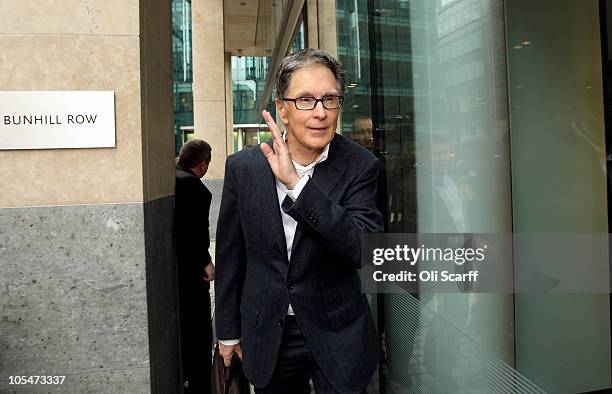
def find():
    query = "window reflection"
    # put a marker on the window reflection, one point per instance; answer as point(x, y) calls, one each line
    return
point(426, 93)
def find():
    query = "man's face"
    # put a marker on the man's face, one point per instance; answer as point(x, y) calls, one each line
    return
point(310, 130)
point(443, 157)
point(362, 132)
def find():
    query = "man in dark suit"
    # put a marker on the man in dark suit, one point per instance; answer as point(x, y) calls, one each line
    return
point(195, 267)
point(288, 296)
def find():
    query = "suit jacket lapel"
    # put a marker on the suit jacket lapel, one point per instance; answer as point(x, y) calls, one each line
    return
point(326, 176)
point(264, 183)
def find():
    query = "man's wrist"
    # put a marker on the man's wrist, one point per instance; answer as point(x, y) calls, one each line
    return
point(295, 192)
point(294, 181)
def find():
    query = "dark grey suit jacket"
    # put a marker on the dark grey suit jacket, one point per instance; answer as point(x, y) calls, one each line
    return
point(255, 281)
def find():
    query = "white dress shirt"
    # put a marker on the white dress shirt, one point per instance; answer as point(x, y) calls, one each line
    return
point(289, 224)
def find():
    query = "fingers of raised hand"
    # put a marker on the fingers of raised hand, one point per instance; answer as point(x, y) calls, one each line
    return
point(267, 151)
point(278, 146)
point(276, 134)
point(271, 124)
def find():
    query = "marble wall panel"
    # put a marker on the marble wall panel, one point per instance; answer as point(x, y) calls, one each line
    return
point(133, 381)
point(73, 293)
point(75, 176)
point(87, 17)
point(209, 82)
point(210, 125)
point(208, 60)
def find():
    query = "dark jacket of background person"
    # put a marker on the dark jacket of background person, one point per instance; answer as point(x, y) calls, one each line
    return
point(192, 240)
point(320, 280)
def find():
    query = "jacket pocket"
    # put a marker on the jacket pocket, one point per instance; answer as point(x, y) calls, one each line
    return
point(347, 312)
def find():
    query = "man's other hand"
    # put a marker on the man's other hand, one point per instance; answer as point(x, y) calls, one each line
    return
point(279, 158)
point(209, 272)
point(228, 351)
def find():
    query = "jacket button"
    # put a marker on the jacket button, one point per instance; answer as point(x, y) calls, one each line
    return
point(290, 285)
point(281, 322)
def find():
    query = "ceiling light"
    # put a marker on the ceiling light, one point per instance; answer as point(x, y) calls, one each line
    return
point(517, 46)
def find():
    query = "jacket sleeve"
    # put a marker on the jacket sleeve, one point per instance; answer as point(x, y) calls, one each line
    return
point(337, 226)
point(230, 260)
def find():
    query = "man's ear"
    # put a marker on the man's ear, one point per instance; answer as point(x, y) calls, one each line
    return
point(281, 110)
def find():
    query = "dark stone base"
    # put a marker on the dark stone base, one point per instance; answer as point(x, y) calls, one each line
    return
point(89, 292)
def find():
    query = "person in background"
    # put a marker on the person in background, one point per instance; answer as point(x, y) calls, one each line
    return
point(195, 267)
point(362, 133)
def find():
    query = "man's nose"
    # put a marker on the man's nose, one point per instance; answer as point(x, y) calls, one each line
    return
point(319, 111)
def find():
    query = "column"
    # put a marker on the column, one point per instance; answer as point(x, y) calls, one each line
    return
point(86, 253)
point(209, 81)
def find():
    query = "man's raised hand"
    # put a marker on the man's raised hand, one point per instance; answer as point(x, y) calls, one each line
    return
point(279, 158)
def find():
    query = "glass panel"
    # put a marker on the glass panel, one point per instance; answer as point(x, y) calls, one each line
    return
point(430, 82)
point(299, 40)
point(249, 76)
point(446, 134)
point(427, 92)
point(248, 82)
point(182, 69)
point(269, 17)
point(559, 184)
point(353, 53)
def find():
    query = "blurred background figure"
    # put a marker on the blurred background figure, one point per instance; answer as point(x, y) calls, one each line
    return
point(195, 267)
point(363, 132)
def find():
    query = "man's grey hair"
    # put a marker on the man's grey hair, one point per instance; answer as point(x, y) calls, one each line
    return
point(306, 58)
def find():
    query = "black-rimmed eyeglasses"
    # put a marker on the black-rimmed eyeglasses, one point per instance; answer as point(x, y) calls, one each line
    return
point(309, 103)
